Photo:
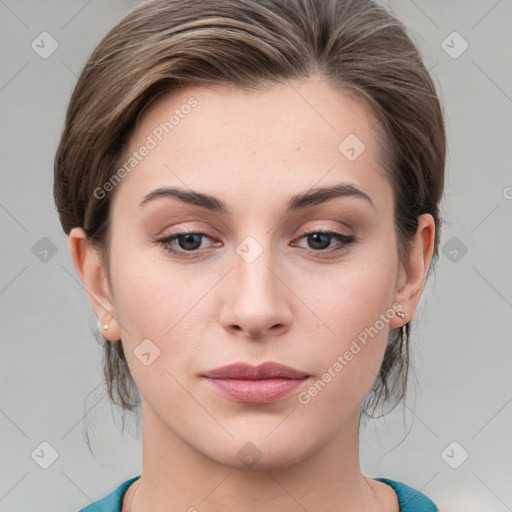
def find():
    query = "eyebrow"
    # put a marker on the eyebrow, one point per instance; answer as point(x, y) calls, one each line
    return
point(296, 202)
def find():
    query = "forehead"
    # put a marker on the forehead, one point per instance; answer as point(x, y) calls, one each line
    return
point(289, 136)
point(262, 111)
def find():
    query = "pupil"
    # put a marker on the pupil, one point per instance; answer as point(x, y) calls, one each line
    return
point(189, 238)
point(320, 238)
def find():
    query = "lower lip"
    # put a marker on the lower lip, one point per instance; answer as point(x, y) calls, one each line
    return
point(263, 391)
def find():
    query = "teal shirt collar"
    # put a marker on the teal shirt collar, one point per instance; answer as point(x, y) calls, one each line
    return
point(410, 499)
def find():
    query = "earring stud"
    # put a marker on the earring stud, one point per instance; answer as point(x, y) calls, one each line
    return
point(401, 314)
point(106, 326)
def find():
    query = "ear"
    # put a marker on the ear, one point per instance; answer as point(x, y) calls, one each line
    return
point(90, 269)
point(411, 278)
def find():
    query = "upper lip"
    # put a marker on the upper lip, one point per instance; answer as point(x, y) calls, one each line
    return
point(245, 371)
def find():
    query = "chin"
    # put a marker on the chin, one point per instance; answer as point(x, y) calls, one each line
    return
point(262, 454)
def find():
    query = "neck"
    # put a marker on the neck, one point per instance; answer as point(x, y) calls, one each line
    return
point(176, 477)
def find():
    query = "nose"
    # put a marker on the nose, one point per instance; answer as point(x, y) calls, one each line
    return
point(256, 301)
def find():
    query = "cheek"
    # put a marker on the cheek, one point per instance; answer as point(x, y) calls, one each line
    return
point(157, 337)
point(157, 301)
point(353, 309)
point(151, 294)
point(351, 298)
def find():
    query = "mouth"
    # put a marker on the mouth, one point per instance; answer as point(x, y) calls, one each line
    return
point(262, 384)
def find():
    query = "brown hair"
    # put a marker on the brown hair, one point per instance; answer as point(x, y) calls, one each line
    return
point(162, 45)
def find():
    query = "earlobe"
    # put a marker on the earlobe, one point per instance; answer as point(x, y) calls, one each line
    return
point(89, 267)
point(413, 276)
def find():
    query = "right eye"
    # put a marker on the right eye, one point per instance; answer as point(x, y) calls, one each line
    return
point(188, 242)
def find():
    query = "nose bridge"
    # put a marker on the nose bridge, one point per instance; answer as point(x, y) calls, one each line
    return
point(253, 269)
point(257, 300)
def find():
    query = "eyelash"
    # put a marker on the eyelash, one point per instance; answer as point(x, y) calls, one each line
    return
point(344, 239)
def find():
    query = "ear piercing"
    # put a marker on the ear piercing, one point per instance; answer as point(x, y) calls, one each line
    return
point(100, 325)
point(401, 314)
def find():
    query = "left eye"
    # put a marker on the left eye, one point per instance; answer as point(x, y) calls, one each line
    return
point(321, 240)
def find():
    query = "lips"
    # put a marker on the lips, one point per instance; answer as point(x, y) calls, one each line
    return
point(264, 384)
point(244, 371)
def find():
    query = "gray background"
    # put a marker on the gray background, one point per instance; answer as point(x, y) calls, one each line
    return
point(51, 381)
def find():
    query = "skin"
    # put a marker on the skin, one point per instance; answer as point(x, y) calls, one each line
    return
point(253, 150)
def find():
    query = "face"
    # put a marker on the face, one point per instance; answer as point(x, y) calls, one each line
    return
point(310, 284)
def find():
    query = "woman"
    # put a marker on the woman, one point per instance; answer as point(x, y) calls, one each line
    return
point(251, 192)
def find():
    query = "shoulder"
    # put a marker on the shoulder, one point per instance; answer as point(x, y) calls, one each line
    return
point(113, 501)
point(410, 499)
